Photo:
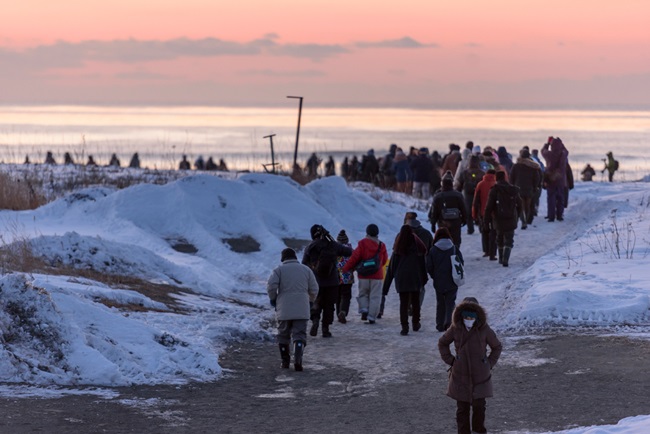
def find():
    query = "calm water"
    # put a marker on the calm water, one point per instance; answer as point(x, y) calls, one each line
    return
point(162, 134)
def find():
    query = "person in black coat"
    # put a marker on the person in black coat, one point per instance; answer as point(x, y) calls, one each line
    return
point(502, 210)
point(438, 263)
point(448, 209)
point(407, 268)
point(527, 175)
point(322, 249)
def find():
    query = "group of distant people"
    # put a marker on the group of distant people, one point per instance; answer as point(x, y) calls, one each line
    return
point(134, 163)
point(611, 166)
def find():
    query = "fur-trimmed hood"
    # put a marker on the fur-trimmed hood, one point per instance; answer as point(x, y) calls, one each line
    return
point(528, 162)
point(457, 317)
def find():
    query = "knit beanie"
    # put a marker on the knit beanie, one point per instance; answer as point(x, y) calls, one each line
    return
point(343, 237)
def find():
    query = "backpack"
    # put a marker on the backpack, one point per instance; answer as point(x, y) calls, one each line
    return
point(457, 269)
point(615, 165)
point(449, 213)
point(506, 206)
point(326, 263)
point(471, 181)
point(370, 266)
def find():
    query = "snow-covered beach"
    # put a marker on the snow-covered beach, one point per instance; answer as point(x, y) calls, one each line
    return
point(210, 244)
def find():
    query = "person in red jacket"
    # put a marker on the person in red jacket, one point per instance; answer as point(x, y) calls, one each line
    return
point(370, 287)
point(488, 232)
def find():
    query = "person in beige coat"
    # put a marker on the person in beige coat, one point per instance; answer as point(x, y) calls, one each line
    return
point(292, 287)
point(470, 376)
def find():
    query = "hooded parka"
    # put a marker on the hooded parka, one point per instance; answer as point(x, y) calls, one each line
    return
point(470, 375)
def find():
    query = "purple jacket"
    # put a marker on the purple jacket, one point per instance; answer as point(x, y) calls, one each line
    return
point(557, 158)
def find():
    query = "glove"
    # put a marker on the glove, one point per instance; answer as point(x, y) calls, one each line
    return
point(273, 302)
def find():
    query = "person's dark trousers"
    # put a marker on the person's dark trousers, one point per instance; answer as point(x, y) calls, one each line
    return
point(407, 299)
point(505, 239)
point(555, 203)
point(445, 303)
point(469, 198)
point(454, 231)
point(381, 306)
point(344, 297)
point(477, 418)
point(325, 302)
point(489, 239)
point(527, 214)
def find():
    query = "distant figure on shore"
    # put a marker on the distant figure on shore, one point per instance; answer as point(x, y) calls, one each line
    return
point(91, 162)
point(312, 166)
point(184, 164)
point(115, 162)
point(135, 161)
point(611, 166)
point(588, 173)
point(222, 166)
point(210, 164)
point(67, 159)
point(199, 164)
point(27, 160)
point(330, 167)
point(49, 158)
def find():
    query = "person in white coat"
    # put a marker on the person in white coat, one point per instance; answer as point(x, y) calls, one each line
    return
point(292, 287)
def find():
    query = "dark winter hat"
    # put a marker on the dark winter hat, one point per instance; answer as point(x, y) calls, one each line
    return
point(525, 153)
point(343, 237)
point(372, 230)
point(448, 179)
point(316, 231)
point(410, 216)
point(469, 145)
point(501, 175)
point(470, 300)
point(469, 314)
point(288, 253)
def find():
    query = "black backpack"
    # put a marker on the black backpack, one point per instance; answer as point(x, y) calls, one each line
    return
point(326, 262)
point(471, 181)
point(506, 206)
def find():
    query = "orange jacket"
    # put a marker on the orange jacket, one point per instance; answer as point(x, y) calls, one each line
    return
point(481, 195)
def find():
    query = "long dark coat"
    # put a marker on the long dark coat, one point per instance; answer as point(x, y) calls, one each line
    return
point(408, 271)
point(438, 264)
point(312, 253)
point(527, 175)
point(471, 366)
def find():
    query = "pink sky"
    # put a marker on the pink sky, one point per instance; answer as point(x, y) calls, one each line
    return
point(452, 53)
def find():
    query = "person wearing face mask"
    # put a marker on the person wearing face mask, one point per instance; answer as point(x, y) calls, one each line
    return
point(470, 381)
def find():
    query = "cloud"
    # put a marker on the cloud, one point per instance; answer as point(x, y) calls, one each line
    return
point(405, 42)
point(309, 73)
point(309, 51)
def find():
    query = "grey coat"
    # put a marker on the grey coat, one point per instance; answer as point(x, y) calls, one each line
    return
point(292, 285)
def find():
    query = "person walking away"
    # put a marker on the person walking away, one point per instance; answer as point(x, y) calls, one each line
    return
point(184, 164)
point(527, 175)
point(369, 167)
point(555, 180)
point(488, 232)
point(114, 162)
point(292, 287)
point(402, 171)
point(422, 166)
point(345, 281)
point(199, 163)
point(411, 219)
point(370, 286)
point(503, 209)
point(448, 209)
point(470, 376)
point(438, 264)
point(588, 173)
point(505, 160)
point(320, 255)
point(611, 166)
point(210, 165)
point(407, 268)
point(464, 164)
point(467, 182)
point(386, 169)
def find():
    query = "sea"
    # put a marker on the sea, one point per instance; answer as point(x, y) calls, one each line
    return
point(244, 137)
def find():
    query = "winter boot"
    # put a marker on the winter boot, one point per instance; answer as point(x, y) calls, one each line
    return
point(500, 255)
point(506, 255)
point(326, 331)
point(405, 330)
point(313, 331)
point(286, 355)
point(298, 348)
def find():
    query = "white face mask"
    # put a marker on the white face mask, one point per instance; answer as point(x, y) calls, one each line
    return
point(469, 323)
